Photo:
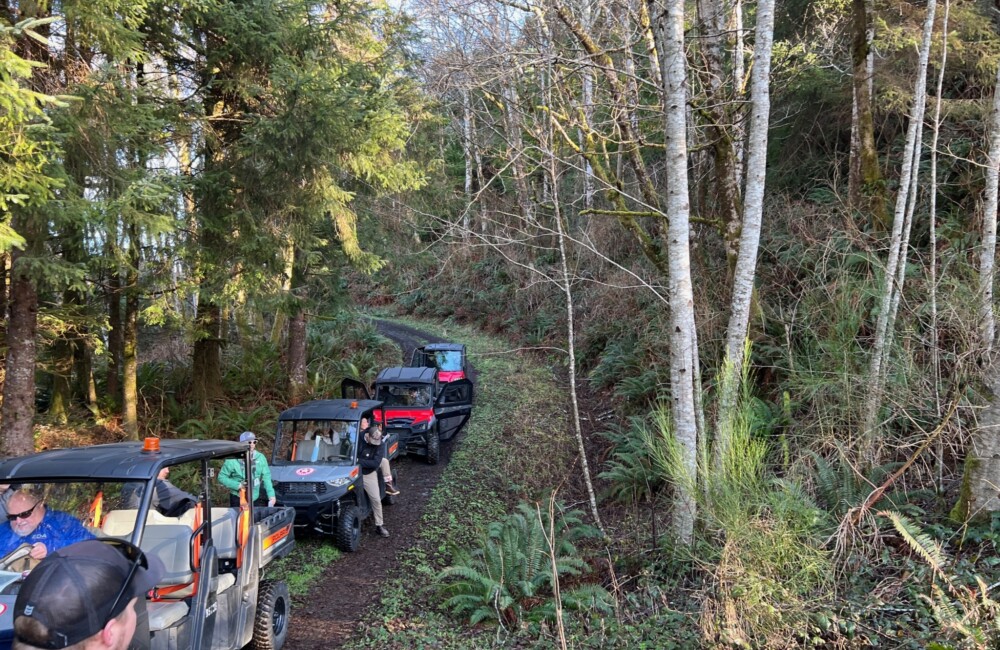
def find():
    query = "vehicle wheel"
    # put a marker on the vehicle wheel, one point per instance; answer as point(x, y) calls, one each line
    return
point(347, 532)
point(270, 625)
point(433, 446)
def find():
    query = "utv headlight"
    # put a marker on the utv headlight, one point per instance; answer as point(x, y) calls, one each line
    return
point(421, 426)
point(339, 482)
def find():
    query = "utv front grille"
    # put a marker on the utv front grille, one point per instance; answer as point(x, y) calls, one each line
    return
point(300, 488)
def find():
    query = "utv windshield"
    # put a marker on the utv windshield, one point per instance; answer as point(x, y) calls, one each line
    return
point(316, 441)
point(405, 395)
point(66, 512)
point(448, 360)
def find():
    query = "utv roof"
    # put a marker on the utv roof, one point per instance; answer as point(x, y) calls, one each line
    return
point(330, 409)
point(120, 460)
point(411, 375)
point(432, 347)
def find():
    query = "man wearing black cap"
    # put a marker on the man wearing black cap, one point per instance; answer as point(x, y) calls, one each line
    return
point(86, 596)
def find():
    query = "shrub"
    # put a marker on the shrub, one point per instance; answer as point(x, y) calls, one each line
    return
point(509, 577)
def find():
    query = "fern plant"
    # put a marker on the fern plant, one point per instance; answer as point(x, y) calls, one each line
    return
point(840, 487)
point(509, 578)
point(970, 616)
point(630, 474)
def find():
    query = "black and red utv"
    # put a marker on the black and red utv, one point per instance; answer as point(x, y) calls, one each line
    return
point(418, 407)
point(449, 359)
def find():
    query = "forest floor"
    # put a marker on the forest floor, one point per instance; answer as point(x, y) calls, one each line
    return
point(329, 615)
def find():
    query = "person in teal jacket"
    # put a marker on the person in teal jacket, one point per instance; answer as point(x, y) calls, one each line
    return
point(233, 477)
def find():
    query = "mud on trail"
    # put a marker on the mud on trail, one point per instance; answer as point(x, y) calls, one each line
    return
point(328, 615)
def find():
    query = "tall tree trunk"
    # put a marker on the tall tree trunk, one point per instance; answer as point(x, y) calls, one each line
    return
point(113, 296)
point(746, 266)
point(682, 322)
point(298, 384)
point(206, 380)
point(18, 410)
point(932, 244)
point(470, 164)
point(130, 342)
point(565, 281)
point(897, 249)
point(711, 26)
point(981, 493)
point(66, 349)
point(865, 177)
point(514, 129)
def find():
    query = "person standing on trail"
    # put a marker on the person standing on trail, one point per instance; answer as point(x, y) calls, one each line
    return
point(390, 487)
point(370, 457)
point(233, 476)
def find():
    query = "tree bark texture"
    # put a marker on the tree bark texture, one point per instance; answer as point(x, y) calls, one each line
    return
point(18, 411)
point(113, 297)
point(206, 380)
point(865, 176)
point(711, 26)
point(682, 322)
point(746, 265)
point(130, 340)
point(297, 377)
point(897, 246)
point(981, 488)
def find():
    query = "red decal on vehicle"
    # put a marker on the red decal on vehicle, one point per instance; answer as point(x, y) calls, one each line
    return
point(304, 471)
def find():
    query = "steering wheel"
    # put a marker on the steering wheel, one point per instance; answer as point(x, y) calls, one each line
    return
point(19, 553)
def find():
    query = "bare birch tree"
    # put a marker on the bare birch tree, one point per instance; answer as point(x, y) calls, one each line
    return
point(682, 322)
point(897, 246)
point(746, 263)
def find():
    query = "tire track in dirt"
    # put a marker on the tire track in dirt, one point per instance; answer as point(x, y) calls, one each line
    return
point(328, 616)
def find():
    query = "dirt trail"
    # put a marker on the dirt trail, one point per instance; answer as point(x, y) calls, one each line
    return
point(327, 617)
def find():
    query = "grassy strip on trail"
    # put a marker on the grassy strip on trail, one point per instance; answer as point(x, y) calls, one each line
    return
point(304, 565)
point(513, 448)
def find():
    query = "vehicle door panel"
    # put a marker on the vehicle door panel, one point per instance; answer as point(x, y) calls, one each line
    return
point(421, 359)
point(453, 407)
point(353, 389)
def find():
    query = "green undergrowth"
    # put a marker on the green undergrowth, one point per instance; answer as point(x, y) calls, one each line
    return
point(304, 565)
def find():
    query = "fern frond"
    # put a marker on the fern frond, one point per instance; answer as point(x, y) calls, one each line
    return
point(920, 542)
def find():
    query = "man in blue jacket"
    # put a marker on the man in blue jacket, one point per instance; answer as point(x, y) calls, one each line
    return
point(30, 522)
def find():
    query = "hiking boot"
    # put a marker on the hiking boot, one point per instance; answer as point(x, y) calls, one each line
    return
point(381, 531)
point(391, 490)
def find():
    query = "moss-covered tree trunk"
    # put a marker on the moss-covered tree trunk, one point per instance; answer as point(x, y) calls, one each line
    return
point(981, 487)
point(865, 187)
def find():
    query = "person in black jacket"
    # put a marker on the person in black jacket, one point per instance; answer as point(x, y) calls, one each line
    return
point(370, 458)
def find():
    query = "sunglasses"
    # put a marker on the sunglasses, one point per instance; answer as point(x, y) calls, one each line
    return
point(23, 515)
point(137, 559)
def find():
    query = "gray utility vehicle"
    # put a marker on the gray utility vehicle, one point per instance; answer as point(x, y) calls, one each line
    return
point(212, 593)
point(449, 359)
point(420, 410)
point(315, 468)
